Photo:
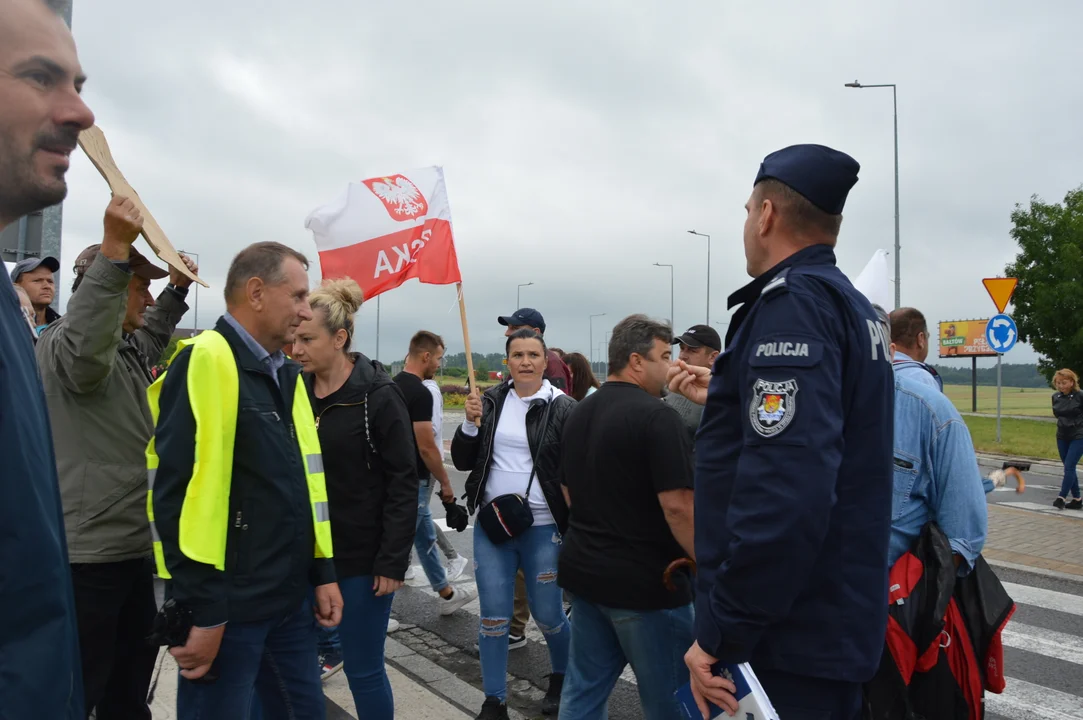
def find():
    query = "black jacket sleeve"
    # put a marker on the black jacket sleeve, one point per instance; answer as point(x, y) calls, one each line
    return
point(199, 587)
point(464, 449)
point(393, 436)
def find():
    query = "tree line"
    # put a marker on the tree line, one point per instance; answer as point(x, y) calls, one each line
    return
point(1021, 375)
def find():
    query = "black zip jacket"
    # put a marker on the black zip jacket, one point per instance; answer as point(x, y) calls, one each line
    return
point(367, 441)
point(270, 568)
point(476, 453)
point(1069, 412)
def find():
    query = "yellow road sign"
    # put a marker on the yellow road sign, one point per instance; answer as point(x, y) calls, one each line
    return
point(1000, 290)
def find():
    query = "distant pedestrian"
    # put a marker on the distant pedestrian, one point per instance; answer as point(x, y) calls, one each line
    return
point(1068, 409)
point(584, 383)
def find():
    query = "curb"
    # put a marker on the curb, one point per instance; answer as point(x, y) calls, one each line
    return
point(1055, 574)
point(1039, 466)
point(437, 680)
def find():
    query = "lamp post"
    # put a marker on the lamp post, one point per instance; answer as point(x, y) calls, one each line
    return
point(693, 232)
point(672, 320)
point(895, 106)
point(517, 289)
point(592, 339)
point(606, 355)
point(195, 300)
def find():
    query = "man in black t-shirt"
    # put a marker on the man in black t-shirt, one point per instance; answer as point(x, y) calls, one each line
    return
point(627, 476)
point(422, 362)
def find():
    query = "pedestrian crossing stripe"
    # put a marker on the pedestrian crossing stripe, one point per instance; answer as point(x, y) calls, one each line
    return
point(1046, 509)
point(1046, 599)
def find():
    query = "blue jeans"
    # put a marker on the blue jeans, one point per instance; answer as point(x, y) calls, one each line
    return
point(425, 539)
point(1070, 453)
point(363, 633)
point(495, 567)
point(274, 659)
point(604, 640)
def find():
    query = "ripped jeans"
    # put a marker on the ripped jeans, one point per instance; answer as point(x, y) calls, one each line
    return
point(495, 567)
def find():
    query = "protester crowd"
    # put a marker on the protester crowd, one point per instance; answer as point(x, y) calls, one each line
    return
point(769, 498)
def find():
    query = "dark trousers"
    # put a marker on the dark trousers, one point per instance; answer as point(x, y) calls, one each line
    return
point(115, 609)
point(274, 660)
point(800, 697)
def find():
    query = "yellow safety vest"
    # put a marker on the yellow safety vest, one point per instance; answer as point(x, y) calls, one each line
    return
point(213, 391)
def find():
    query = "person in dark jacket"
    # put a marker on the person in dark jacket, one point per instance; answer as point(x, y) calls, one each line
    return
point(794, 458)
point(41, 115)
point(1068, 409)
point(368, 457)
point(517, 451)
point(252, 619)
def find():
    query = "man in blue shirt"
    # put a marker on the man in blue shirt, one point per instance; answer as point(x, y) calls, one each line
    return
point(41, 115)
point(910, 336)
point(793, 459)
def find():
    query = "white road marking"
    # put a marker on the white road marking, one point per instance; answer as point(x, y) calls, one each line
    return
point(1047, 599)
point(1057, 645)
point(1026, 701)
point(1046, 509)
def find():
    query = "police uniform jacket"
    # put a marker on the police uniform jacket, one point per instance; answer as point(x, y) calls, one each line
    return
point(794, 478)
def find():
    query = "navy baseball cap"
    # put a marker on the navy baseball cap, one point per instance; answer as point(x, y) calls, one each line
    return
point(700, 336)
point(524, 316)
point(31, 264)
point(819, 174)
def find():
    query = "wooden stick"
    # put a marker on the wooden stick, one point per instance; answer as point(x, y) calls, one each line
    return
point(92, 140)
point(466, 344)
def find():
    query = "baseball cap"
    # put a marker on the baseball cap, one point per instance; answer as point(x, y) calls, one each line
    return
point(137, 263)
point(700, 336)
point(524, 316)
point(31, 264)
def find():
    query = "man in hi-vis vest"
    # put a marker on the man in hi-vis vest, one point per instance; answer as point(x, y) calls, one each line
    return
point(238, 506)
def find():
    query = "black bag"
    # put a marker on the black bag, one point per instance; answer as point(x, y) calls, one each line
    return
point(509, 516)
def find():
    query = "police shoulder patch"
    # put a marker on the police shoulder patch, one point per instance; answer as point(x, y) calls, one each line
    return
point(773, 406)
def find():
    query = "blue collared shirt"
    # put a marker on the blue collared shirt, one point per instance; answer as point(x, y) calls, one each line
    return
point(936, 474)
point(272, 362)
point(911, 369)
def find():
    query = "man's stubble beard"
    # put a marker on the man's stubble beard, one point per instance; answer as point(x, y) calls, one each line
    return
point(21, 191)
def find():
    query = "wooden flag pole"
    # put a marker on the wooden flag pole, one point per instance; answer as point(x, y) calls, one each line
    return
point(466, 343)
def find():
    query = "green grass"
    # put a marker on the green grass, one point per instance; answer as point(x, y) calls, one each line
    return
point(1014, 401)
point(1019, 438)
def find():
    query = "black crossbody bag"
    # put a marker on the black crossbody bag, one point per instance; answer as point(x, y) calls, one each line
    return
point(509, 516)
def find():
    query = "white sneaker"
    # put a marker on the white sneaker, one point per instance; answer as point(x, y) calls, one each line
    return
point(455, 567)
point(411, 573)
point(458, 599)
point(392, 625)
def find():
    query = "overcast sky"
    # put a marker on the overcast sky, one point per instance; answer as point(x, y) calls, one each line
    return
point(581, 140)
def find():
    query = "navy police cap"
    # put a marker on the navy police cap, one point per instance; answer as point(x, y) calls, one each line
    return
point(821, 175)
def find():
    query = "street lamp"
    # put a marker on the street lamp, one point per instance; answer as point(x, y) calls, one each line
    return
point(672, 321)
point(606, 355)
point(195, 301)
point(592, 339)
point(693, 232)
point(517, 289)
point(895, 104)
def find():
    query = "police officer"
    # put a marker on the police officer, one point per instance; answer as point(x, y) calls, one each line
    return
point(793, 460)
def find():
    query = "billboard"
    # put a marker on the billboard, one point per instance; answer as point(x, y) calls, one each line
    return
point(964, 338)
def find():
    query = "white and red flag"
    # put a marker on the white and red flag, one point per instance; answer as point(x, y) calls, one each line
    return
point(383, 231)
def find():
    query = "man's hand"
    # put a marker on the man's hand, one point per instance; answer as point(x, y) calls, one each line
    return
point(328, 608)
point(178, 278)
point(385, 585)
point(196, 655)
point(447, 494)
point(689, 380)
point(123, 222)
point(473, 407)
point(706, 686)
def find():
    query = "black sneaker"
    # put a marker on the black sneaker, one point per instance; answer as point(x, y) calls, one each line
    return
point(1059, 503)
point(330, 663)
point(551, 701)
point(1076, 504)
point(493, 709)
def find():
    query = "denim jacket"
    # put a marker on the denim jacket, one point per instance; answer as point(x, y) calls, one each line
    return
point(936, 474)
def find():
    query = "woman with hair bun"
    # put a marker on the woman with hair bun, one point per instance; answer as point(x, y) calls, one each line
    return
point(367, 442)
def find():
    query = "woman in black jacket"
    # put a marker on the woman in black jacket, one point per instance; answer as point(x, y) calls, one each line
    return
point(368, 456)
point(516, 452)
point(1068, 408)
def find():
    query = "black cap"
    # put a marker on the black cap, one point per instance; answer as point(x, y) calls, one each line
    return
point(31, 264)
point(524, 316)
point(700, 336)
point(821, 175)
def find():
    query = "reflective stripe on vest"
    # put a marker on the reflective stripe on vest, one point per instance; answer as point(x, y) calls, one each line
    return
point(213, 393)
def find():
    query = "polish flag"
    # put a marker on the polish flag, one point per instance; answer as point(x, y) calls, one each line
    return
point(383, 231)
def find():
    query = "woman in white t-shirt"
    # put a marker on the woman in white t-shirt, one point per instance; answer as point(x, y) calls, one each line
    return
point(516, 451)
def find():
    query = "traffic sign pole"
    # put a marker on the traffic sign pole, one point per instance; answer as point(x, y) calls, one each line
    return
point(1000, 356)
